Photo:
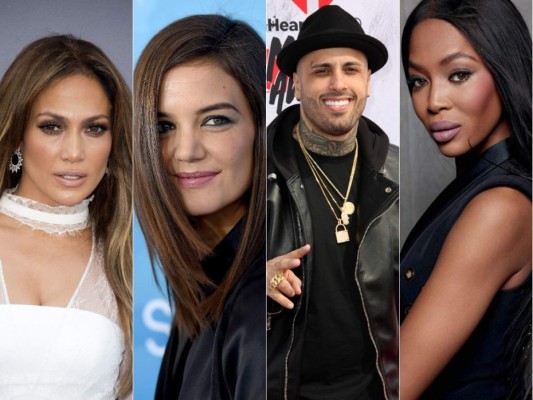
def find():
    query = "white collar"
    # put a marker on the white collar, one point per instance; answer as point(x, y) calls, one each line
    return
point(55, 220)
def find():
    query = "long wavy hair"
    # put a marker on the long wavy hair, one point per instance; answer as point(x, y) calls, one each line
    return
point(500, 35)
point(39, 65)
point(171, 235)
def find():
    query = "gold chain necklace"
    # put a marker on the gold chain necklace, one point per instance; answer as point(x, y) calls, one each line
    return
point(347, 207)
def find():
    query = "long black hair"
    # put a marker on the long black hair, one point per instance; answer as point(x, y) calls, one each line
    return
point(500, 35)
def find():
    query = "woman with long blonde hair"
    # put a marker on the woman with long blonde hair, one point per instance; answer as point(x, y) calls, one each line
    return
point(65, 224)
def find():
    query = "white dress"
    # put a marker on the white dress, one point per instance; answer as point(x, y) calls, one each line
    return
point(54, 353)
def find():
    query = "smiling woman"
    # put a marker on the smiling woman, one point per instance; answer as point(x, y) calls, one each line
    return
point(200, 197)
point(65, 224)
point(207, 143)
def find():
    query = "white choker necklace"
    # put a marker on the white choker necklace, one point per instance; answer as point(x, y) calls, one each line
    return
point(58, 220)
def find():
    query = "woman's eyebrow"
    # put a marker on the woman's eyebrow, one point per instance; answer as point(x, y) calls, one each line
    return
point(63, 120)
point(454, 56)
point(446, 60)
point(217, 106)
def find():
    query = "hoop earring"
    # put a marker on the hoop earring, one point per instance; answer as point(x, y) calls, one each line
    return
point(16, 165)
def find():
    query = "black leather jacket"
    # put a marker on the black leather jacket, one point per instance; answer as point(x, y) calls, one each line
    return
point(376, 268)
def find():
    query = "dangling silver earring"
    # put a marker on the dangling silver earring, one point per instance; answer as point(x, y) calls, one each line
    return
point(107, 169)
point(15, 163)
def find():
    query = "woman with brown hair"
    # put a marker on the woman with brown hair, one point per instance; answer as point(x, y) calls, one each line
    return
point(200, 197)
point(65, 224)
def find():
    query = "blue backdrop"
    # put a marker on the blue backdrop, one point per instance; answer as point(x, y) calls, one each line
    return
point(151, 311)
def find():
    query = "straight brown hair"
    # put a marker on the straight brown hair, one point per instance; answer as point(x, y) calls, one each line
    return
point(170, 233)
point(42, 63)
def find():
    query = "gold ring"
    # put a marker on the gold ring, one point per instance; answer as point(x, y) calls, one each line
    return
point(276, 280)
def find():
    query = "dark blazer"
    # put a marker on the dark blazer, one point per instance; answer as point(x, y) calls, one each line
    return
point(226, 361)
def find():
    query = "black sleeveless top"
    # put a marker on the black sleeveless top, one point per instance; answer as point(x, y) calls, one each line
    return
point(481, 369)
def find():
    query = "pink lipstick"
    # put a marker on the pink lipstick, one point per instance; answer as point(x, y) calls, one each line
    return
point(72, 179)
point(195, 179)
point(444, 131)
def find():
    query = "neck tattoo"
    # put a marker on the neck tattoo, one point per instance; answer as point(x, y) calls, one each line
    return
point(318, 144)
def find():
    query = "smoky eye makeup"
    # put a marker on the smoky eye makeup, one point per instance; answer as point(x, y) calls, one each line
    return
point(50, 127)
point(165, 126)
point(415, 82)
point(97, 129)
point(217, 121)
point(459, 76)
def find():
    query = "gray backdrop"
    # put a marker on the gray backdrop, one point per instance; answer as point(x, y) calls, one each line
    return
point(106, 23)
point(424, 172)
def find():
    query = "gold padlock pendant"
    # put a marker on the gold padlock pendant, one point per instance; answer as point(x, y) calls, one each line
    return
point(342, 235)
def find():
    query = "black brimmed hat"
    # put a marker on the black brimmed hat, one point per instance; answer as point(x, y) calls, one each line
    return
point(331, 26)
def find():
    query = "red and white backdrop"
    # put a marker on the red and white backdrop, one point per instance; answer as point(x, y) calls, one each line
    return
point(379, 18)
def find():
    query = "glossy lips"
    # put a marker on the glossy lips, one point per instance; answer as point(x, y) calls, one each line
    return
point(195, 179)
point(444, 131)
point(71, 179)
